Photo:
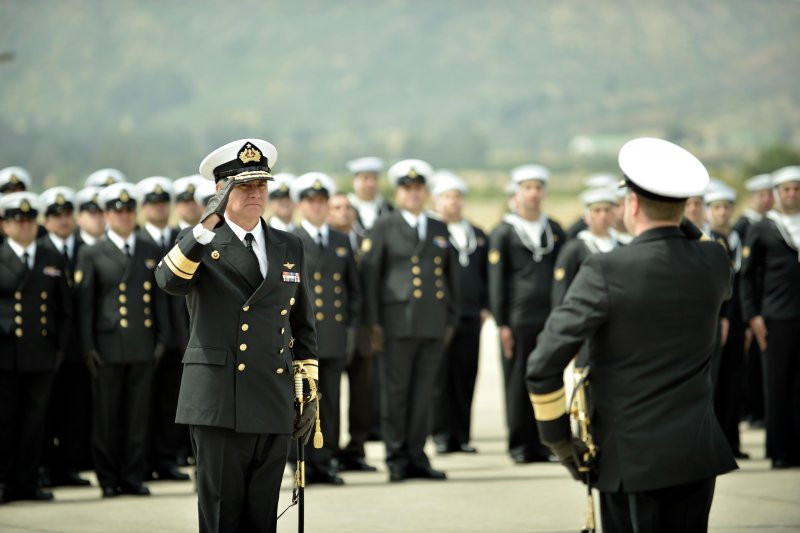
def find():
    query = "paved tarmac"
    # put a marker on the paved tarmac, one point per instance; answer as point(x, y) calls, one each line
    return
point(485, 492)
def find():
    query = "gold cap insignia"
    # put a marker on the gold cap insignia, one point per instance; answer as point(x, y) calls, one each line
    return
point(412, 172)
point(366, 245)
point(123, 196)
point(215, 255)
point(317, 185)
point(283, 188)
point(558, 274)
point(24, 206)
point(96, 199)
point(60, 199)
point(110, 180)
point(158, 189)
point(289, 265)
point(494, 257)
point(190, 189)
point(14, 178)
point(249, 154)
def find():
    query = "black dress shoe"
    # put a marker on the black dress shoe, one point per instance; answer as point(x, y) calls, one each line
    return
point(171, 474)
point(739, 454)
point(69, 479)
point(37, 495)
point(443, 448)
point(323, 478)
point(358, 464)
point(466, 448)
point(134, 489)
point(397, 473)
point(425, 472)
point(780, 464)
point(524, 459)
point(110, 492)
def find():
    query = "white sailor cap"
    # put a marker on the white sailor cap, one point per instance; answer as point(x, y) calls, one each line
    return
point(118, 196)
point(311, 184)
point(104, 177)
point(446, 180)
point(155, 189)
point(88, 199)
point(718, 191)
point(511, 188)
point(785, 175)
point(409, 171)
point(599, 195)
point(601, 180)
point(204, 192)
point(183, 188)
point(365, 164)
point(530, 172)
point(57, 200)
point(662, 170)
point(242, 160)
point(280, 189)
point(759, 182)
point(20, 205)
point(12, 178)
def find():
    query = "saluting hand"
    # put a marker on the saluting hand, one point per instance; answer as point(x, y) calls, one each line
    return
point(215, 209)
point(759, 328)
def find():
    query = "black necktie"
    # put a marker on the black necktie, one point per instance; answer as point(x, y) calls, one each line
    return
point(320, 243)
point(25, 259)
point(163, 242)
point(127, 250)
point(248, 243)
point(65, 253)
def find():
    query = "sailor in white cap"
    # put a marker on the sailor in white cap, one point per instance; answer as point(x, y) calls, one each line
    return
point(205, 192)
point(91, 222)
point(522, 255)
point(366, 197)
point(459, 369)
point(649, 312)
point(156, 195)
point(771, 305)
point(37, 317)
point(337, 304)
point(695, 212)
point(14, 179)
point(187, 209)
point(123, 324)
point(281, 205)
point(720, 200)
point(104, 177)
point(411, 292)
point(252, 322)
point(602, 180)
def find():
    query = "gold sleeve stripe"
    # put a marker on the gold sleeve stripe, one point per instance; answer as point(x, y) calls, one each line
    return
point(549, 406)
point(175, 270)
point(182, 262)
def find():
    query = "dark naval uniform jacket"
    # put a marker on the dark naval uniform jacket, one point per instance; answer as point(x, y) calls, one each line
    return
point(122, 315)
point(335, 290)
point(411, 286)
point(651, 311)
point(237, 370)
point(35, 311)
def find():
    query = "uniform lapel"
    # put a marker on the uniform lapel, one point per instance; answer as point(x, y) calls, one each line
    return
point(428, 236)
point(12, 262)
point(276, 257)
point(117, 255)
point(311, 247)
point(233, 251)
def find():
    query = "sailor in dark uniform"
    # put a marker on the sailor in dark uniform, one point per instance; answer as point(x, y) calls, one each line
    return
point(411, 289)
point(123, 326)
point(595, 181)
point(281, 205)
point(720, 199)
point(69, 419)
point(14, 179)
point(459, 368)
point(695, 212)
point(522, 256)
point(771, 305)
point(166, 437)
point(337, 305)
point(36, 311)
point(650, 312)
point(245, 285)
point(90, 219)
point(759, 189)
point(187, 210)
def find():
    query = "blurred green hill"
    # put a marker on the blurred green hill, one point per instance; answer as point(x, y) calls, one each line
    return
point(151, 86)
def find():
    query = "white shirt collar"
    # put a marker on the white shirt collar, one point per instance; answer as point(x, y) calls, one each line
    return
point(156, 233)
point(20, 250)
point(277, 223)
point(120, 243)
point(59, 243)
point(416, 221)
point(88, 239)
point(314, 230)
point(182, 224)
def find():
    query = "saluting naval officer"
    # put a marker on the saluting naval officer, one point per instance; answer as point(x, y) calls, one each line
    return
point(522, 255)
point(336, 303)
point(281, 205)
point(69, 420)
point(459, 369)
point(246, 286)
point(771, 304)
point(166, 437)
point(650, 312)
point(123, 327)
point(35, 323)
point(411, 292)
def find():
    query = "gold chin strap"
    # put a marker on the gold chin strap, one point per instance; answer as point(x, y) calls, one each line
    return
point(308, 370)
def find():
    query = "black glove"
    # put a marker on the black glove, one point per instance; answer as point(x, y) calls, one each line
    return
point(93, 362)
point(570, 454)
point(376, 339)
point(449, 333)
point(350, 345)
point(158, 352)
point(218, 202)
point(304, 422)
